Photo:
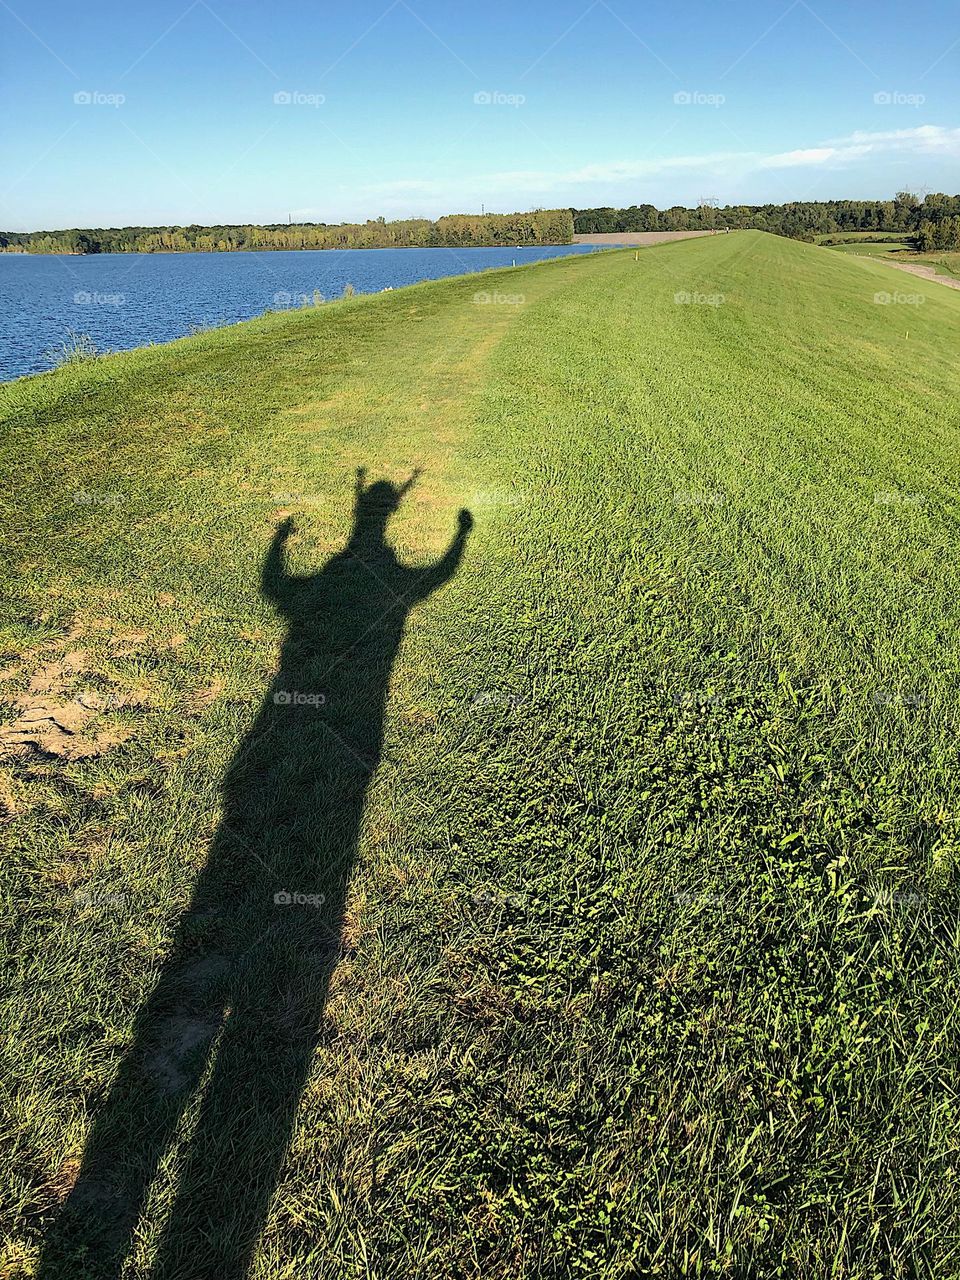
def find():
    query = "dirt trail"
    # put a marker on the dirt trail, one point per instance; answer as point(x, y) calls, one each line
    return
point(927, 273)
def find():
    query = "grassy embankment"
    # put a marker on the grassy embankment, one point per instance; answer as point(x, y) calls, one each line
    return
point(647, 943)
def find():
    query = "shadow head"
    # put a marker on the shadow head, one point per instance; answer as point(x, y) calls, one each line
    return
point(375, 503)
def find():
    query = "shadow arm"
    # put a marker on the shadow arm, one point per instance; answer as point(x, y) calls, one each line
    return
point(428, 580)
point(275, 581)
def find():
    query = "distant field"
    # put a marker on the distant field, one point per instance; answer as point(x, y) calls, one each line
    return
point(883, 250)
point(852, 237)
point(572, 893)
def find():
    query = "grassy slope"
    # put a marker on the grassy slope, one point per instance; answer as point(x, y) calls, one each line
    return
point(650, 960)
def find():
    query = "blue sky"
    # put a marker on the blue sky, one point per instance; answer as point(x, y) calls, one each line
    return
point(237, 110)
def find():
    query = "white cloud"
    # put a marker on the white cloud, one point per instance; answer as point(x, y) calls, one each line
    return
point(790, 159)
point(724, 168)
point(924, 134)
point(925, 139)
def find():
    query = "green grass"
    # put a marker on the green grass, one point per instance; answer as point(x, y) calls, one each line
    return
point(639, 950)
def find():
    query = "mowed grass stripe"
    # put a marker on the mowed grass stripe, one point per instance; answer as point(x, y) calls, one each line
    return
point(649, 955)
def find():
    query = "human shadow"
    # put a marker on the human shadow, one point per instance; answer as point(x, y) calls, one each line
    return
point(224, 1044)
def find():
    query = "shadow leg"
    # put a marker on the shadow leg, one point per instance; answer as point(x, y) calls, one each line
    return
point(156, 1080)
point(242, 1136)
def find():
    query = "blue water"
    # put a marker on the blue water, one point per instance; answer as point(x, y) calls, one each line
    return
point(125, 300)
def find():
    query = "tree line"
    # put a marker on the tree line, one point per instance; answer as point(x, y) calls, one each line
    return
point(461, 230)
point(941, 233)
point(933, 220)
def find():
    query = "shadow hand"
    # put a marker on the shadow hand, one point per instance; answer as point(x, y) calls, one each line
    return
point(465, 520)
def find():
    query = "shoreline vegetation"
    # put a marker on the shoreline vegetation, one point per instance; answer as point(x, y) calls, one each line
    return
point(456, 231)
point(933, 221)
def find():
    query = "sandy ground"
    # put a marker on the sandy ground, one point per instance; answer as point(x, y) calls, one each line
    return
point(640, 238)
point(927, 273)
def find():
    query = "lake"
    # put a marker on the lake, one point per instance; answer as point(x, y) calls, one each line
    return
point(123, 300)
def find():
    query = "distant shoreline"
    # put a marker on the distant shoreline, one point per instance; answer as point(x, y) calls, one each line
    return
point(538, 226)
point(652, 237)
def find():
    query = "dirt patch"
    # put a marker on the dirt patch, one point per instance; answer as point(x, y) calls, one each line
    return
point(57, 722)
point(60, 728)
point(53, 677)
point(208, 695)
